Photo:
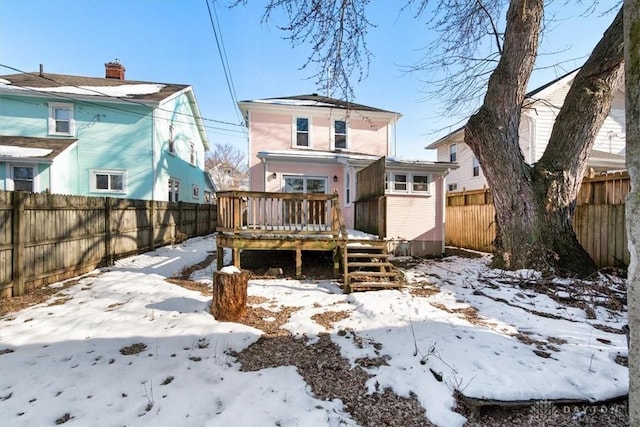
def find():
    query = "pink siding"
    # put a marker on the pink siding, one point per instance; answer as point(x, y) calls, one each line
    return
point(413, 218)
point(274, 131)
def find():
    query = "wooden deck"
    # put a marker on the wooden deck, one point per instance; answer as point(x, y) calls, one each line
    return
point(299, 222)
point(279, 221)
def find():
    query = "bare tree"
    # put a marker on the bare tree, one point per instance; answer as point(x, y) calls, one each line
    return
point(534, 204)
point(632, 94)
point(227, 166)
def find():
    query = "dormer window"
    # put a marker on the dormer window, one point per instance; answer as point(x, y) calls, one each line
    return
point(61, 119)
point(302, 132)
point(340, 134)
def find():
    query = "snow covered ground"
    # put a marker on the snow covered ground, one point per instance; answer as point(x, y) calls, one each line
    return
point(125, 347)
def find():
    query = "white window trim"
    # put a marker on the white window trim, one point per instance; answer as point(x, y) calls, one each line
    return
point(171, 148)
point(390, 187)
point(174, 180)
point(294, 136)
point(346, 134)
point(348, 185)
point(92, 184)
point(453, 149)
point(475, 164)
point(9, 174)
point(195, 191)
point(52, 122)
point(429, 180)
point(452, 184)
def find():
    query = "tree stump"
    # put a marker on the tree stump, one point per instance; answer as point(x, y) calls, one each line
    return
point(229, 294)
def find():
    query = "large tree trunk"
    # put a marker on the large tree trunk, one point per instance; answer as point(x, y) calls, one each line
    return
point(632, 94)
point(534, 206)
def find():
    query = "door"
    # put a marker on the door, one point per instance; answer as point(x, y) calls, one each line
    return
point(311, 212)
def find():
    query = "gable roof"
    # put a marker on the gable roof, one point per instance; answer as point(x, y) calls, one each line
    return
point(459, 132)
point(50, 84)
point(25, 147)
point(315, 100)
point(99, 88)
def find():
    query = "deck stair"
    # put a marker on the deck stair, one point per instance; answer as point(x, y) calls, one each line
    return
point(366, 266)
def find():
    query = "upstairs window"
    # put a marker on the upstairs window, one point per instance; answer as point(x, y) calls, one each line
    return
point(340, 134)
point(108, 181)
point(302, 132)
point(195, 191)
point(61, 119)
point(420, 184)
point(172, 141)
point(476, 167)
point(192, 153)
point(453, 153)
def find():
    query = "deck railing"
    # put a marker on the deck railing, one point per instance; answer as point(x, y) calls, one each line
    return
point(242, 212)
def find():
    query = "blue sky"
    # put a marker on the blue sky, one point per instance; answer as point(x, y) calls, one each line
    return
point(173, 42)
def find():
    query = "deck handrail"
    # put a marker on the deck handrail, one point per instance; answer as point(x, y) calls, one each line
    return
point(278, 213)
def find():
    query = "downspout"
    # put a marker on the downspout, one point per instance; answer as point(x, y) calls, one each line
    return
point(153, 158)
point(264, 174)
point(444, 207)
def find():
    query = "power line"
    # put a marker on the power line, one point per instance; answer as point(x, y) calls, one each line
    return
point(118, 97)
point(223, 57)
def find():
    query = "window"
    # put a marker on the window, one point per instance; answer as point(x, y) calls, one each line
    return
point(399, 182)
point(453, 153)
point(61, 119)
point(195, 191)
point(192, 153)
point(172, 141)
point(453, 186)
point(340, 134)
point(420, 184)
point(23, 178)
point(174, 190)
point(208, 197)
point(302, 132)
point(408, 183)
point(109, 181)
point(347, 187)
point(476, 167)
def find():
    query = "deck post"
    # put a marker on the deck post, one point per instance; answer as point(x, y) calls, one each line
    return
point(298, 261)
point(220, 257)
point(236, 257)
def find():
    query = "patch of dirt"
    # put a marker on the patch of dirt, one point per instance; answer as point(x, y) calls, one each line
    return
point(192, 285)
point(133, 349)
point(35, 296)
point(328, 318)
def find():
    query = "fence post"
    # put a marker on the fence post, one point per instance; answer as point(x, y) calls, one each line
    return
point(108, 250)
point(197, 218)
point(180, 215)
point(19, 232)
point(152, 224)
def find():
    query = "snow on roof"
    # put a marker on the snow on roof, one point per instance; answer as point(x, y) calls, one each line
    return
point(121, 91)
point(4, 82)
point(14, 151)
point(296, 102)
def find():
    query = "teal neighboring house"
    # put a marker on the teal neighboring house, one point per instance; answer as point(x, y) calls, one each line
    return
point(106, 136)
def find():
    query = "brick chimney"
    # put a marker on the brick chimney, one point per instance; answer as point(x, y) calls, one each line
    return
point(114, 70)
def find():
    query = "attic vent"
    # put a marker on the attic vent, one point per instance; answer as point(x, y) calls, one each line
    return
point(114, 70)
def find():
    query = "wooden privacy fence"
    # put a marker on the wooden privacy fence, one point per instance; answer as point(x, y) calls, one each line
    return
point(599, 220)
point(45, 238)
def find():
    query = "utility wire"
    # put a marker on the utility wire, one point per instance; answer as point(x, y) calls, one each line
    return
point(223, 57)
point(130, 112)
point(121, 98)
